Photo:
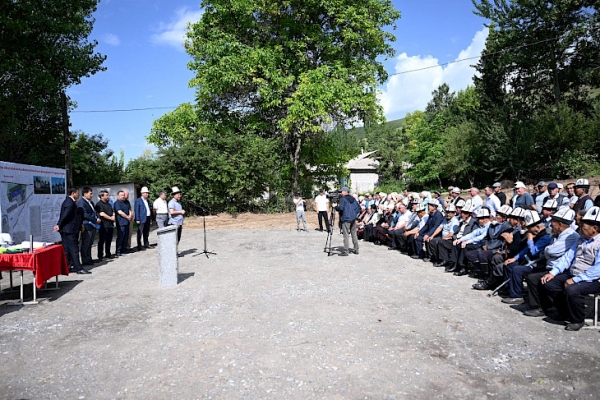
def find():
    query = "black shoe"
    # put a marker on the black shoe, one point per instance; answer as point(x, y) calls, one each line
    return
point(392, 248)
point(140, 248)
point(451, 268)
point(535, 312)
point(414, 257)
point(482, 285)
point(574, 326)
point(110, 256)
point(344, 254)
point(83, 272)
point(426, 259)
point(461, 272)
point(354, 252)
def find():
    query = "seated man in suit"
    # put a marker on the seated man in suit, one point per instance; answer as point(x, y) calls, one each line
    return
point(467, 225)
point(471, 241)
point(412, 226)
point(530, 259)
point(433, 222)
point(445, 231)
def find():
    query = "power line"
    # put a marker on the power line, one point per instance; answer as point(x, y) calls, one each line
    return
point(397, 73)
point(125, 110)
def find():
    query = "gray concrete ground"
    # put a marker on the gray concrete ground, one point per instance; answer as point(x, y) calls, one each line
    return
point(272, 316)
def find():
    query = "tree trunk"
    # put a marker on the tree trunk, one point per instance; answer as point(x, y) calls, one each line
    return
point(296, 162)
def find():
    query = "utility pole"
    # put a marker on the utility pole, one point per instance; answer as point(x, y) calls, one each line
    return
point(67, 138)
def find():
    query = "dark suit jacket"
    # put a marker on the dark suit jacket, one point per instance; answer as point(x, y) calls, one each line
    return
point(70, 217)
point(472, 224)
point(139, 210)
point(89, 213)
point(432, 224)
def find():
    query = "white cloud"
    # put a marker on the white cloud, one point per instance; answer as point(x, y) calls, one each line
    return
point(111, 39)
point(411, 91)
point(173, 33)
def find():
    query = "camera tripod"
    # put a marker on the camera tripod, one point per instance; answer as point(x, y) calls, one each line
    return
point(328, 248)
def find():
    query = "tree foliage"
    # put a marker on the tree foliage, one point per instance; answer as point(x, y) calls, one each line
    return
point(93, 162)
point(286, 70)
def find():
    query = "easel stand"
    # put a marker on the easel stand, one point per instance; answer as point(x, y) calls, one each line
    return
point(328, 248)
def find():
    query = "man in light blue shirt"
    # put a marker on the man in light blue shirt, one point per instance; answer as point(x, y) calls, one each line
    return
point(575, 275)
point(563, 238)
point(476, 199)
point(445, 231)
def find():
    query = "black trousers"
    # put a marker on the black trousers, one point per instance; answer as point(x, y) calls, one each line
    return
point(179, 229)
point(70, 244)
point(122, 238)
point(323, 216)
point(87, 239)
point(395, 236)
point(381, 234)
point(458, 253)
point(534, 286)
point(497, 264)
point(368, 233)
point(570, 300)
point(444, 248)
point(143, 231)
point(104, 241)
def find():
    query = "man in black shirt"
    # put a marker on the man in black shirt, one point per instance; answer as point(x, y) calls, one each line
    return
point(105, 211)
point(499, 194)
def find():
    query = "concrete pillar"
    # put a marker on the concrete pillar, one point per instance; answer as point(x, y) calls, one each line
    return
point(168, 266)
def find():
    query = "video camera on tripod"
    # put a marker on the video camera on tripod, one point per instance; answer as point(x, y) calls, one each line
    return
point(334, 196)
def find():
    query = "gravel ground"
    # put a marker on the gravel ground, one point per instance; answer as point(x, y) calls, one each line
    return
point(272, 316)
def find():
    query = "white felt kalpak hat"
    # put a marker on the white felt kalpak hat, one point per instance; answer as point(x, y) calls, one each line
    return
point(532, 218)
point(420, 207)
point(434, 203)
point(456, 190)
point(520, 184)
point(505, 210)
point(582, 183)
point(483, 212)
point(564, 215)
point(451, 208)
point(175, 190)
point(460, 204)
point(517, 213)
point(468, 207)
point(550, 204)
point(592, 216)
point(144, 190)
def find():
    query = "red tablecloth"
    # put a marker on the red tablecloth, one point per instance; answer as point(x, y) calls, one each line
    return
point(45, 263)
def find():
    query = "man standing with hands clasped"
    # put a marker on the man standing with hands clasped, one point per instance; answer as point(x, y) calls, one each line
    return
point(348, 209)
point(69, 225)
point(143, 216)
point(322, 204)
point(176, 211)
point(124, 216)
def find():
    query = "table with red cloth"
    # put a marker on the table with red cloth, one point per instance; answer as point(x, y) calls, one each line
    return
point(45, 263)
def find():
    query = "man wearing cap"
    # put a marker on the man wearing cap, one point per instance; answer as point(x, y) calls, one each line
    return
point(322, 203)
point(522, 199)
point(161, 209)
point(399, 228)
point(491, 201)
point(455, 195)
point(554, 194)
point(576, 274)
point(348, 209)
point(434, 221)
point(444, 232)
point(447, 251)
point(492, 244)
point(499, 193)
point(472, 241)
point(438, 196)
point(584, 201)
point(176, 211)
point(530, 259)
point(541, 196)
point(563, 238)
point(390, 218)
point(143, 218)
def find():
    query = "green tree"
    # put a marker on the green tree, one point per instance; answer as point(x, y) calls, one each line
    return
point(44, 49)
point(93, 162)
point(287, 69)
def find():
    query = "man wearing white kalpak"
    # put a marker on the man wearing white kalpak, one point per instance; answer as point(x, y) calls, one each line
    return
point(176, 212)
point(575, 275)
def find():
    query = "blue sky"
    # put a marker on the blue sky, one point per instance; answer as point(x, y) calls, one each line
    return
point(147, 66)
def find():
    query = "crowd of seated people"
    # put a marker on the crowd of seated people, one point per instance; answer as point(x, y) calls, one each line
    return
point(550, 240)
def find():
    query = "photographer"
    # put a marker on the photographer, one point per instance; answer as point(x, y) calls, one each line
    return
point(348, 209)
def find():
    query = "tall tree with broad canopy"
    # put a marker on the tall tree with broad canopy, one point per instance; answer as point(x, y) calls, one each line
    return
point(44, 49)
point(288, 69)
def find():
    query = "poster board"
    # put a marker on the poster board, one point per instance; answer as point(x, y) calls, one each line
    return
point(30, 201)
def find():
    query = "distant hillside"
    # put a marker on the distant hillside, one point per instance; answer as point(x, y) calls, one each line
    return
point(361, 134)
